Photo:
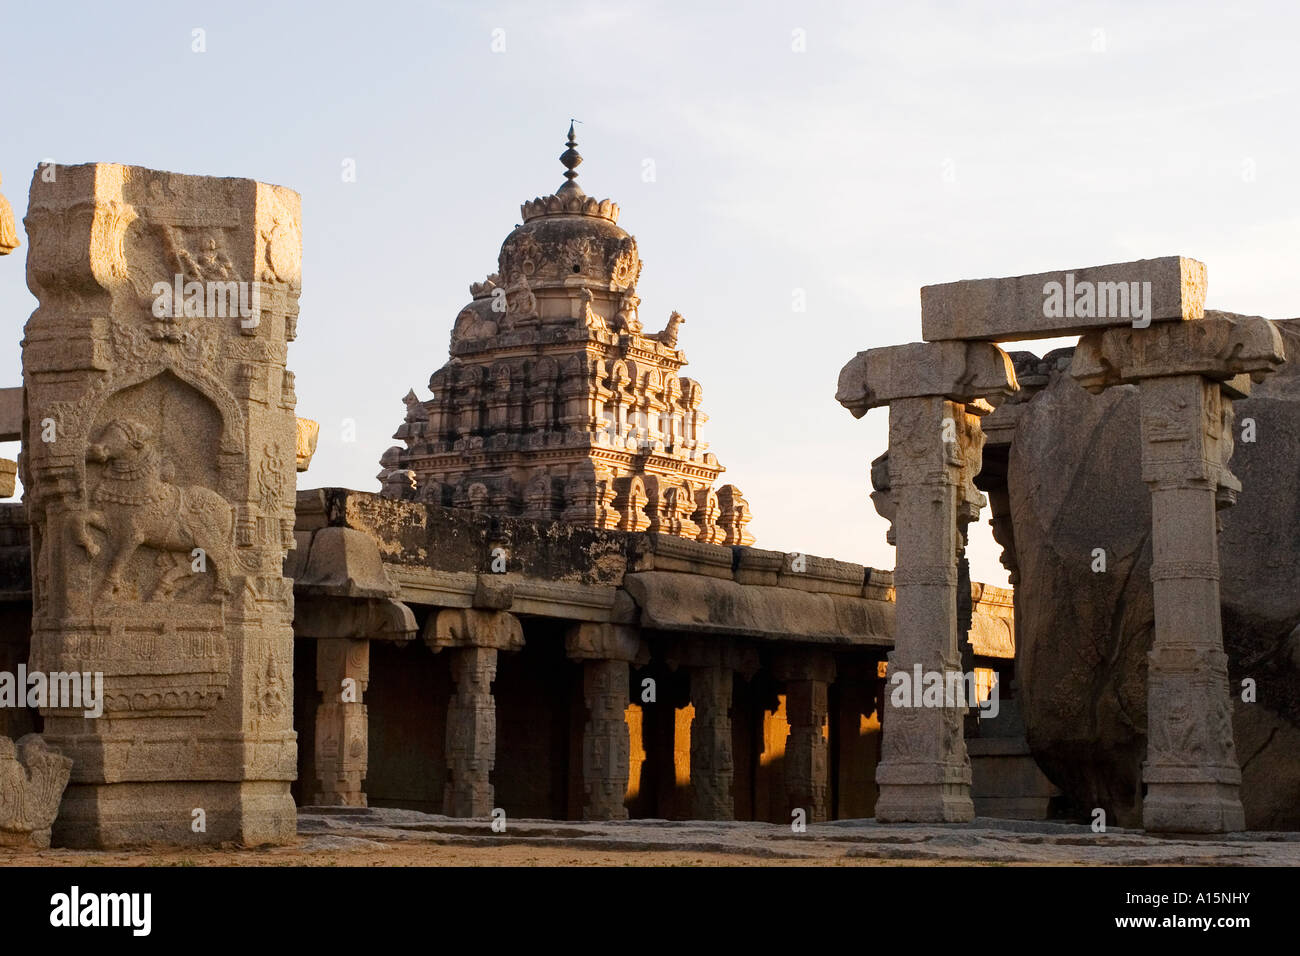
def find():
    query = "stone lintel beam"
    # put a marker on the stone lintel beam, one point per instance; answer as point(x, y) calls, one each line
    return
point(1234, 351)
point(963, 372)
point(339, 618)
point(1070, 302)
point(342, 728)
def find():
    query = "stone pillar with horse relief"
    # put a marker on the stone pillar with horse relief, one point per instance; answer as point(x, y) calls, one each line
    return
point(158, 460)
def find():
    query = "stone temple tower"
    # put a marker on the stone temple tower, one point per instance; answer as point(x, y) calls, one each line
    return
point(555, 404)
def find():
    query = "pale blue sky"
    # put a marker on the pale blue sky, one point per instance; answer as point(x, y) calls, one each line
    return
point(909, 144)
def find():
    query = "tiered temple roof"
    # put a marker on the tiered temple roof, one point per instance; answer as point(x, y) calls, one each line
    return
point(555, 403)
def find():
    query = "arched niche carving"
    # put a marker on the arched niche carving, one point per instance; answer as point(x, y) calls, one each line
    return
point(76, 420)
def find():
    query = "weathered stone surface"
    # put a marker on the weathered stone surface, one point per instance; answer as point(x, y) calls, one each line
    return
point(159, 470)
point(8, 477)
point(1006, 781)
point(415, 535)
point(981, 843)
point(341, 562)
point(11, 414)
point(32, 779)
point(993, 629)
point(1076, 485)
point(1017, 308)
point(686, 602)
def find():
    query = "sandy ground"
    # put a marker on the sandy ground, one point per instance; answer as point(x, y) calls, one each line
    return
point(385, 837)
point(406, 855)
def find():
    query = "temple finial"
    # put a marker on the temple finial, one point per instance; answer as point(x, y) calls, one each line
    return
point(570, 158)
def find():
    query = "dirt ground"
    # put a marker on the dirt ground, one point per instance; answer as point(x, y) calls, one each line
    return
point(407, 855)
point(332, 837)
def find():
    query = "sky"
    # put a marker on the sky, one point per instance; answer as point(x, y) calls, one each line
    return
point(764, 154)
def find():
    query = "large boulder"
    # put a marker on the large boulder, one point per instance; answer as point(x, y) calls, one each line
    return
point(1074, 479)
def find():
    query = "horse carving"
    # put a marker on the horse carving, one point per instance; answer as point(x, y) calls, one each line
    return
point(136, 505)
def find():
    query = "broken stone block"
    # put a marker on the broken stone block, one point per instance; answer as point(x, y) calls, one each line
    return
point(32, 778)
point(308, 433)
point(8, 233)
point(1050, 304)
point(8, 474)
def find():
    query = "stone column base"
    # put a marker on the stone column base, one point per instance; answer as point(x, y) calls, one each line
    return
point(919, 794)
point(1179, 806)
point(103, 816)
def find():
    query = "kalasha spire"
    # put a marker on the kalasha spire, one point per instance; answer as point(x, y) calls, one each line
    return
point(570, 158)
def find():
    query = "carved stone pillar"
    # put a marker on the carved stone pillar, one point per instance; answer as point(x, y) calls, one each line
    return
point(474, 637)
point(471, 733)
point(807, 675)
point(607, 652)
point(712, 763)
point(935, 394)
point(711, 665)
point(1188, 373)
point(342, 728)
point(159, 462)
point(330, 561)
